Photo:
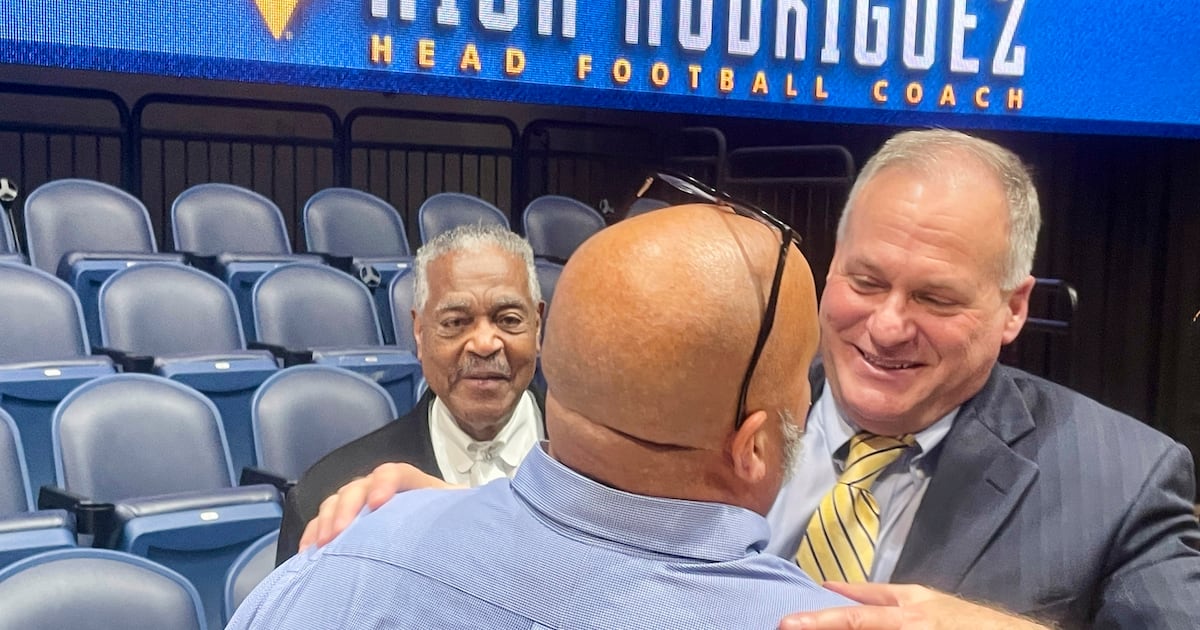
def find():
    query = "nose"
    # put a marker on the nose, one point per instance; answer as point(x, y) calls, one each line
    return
point(891, 323)
point(485, 339)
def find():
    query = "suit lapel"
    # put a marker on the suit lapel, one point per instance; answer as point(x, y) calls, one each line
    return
point(978, 483)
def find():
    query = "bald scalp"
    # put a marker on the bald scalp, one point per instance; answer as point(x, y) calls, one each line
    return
point(654, 322)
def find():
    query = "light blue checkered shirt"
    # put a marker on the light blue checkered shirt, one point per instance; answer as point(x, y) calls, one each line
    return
point(550, 549)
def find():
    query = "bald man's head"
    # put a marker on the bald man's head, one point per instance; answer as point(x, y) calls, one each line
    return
point(655, 320)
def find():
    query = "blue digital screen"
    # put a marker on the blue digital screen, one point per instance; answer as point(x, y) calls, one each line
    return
point(1067, 65)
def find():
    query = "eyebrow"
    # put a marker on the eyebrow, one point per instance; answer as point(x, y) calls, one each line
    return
point(875, 270)
point(507, 301)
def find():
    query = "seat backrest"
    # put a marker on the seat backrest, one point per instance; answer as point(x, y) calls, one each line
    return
point(136, 435)
point(248, 569)
point(401, 290)
point(15, 496)
point(40, 317)
point(555, 225)
point(642, 205)
point(95, 589)
point(547, 276)
point(211, 219)
point(304, 412)
point(160, 309)
point(445, 211)
point(80, 215)
point(314, 306)
point(348, 222)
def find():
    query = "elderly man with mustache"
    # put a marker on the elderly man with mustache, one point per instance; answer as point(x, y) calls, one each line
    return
point(477, 314)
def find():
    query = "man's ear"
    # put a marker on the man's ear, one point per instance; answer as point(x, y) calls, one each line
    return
point(541, 313)
point(416, 321)
point(1018, 310)
point(749, 448)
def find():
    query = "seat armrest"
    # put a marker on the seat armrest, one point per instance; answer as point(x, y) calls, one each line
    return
point(253, 476)
point(287, 356)
point(94, 518)
point(207, 264)
point(128, 362)
point(341, 263)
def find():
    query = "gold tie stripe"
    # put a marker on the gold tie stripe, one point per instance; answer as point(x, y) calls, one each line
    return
point(839, 543)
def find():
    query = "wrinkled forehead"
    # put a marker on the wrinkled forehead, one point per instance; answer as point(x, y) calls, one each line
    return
point(485, 275)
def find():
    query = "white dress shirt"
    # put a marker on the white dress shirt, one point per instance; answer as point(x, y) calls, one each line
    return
point(465, 461)
point(898, 490)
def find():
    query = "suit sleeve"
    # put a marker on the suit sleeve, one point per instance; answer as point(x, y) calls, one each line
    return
point(1153, 573)
point(292, 527)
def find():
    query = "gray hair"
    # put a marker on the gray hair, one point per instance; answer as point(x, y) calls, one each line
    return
point(467, 238)
point(930, 151)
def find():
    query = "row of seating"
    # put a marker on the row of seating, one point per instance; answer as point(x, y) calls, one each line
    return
point(83, 231)
point(99, 589)
point(179, 323)
point(142, 464)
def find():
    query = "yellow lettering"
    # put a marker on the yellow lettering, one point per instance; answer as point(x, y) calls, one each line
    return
point(878, 91)
point(725, 84)
point(913, 93)
point(514, 62)
point(381, 49)
point(470, 59)
point(621, 71)
point(1016, 99)
point(425, 53)
point(789, 87)
point(659, 74)
point(760, 83)
point(948, 97)
point(694, 77)
point(819, 92)
point(583, 67)
point(981, 97)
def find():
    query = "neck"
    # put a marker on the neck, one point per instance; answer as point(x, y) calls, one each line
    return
point(627, 463)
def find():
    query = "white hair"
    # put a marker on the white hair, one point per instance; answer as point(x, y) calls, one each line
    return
point(467, 238)
point(932, 151)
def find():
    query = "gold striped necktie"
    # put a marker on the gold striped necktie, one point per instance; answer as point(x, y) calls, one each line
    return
point(839, 543)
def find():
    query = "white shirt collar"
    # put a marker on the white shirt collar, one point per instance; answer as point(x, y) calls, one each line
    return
point(463, 460)
point(838, 430)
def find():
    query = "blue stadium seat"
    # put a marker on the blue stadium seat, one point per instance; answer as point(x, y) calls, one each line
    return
point(43, 356)
point(304, 412)
point(642, 205)
point(445, 211)
point(556, 225)
point(95, 589)
point(84, 231)
point(155, 450)
point(256, 562)
point(547, 277)
point(235, 233)
point(24, 532)
point(320, 311)
point(394, 304)
point(187, 322)
point(360, 226)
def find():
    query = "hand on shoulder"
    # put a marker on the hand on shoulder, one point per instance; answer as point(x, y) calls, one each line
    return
point(340, 509)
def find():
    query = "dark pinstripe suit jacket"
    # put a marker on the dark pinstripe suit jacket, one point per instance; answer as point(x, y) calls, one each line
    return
point(1047, 503)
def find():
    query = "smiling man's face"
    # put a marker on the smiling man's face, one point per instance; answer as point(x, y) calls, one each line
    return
point(913, 315)
point(477, 337)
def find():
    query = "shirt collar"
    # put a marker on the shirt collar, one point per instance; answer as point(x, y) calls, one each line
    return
point(459, 447)
point(709, 532)
point(838, 430)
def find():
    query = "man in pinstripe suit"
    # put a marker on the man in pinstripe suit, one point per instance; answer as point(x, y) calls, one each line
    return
point(1016, 491)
